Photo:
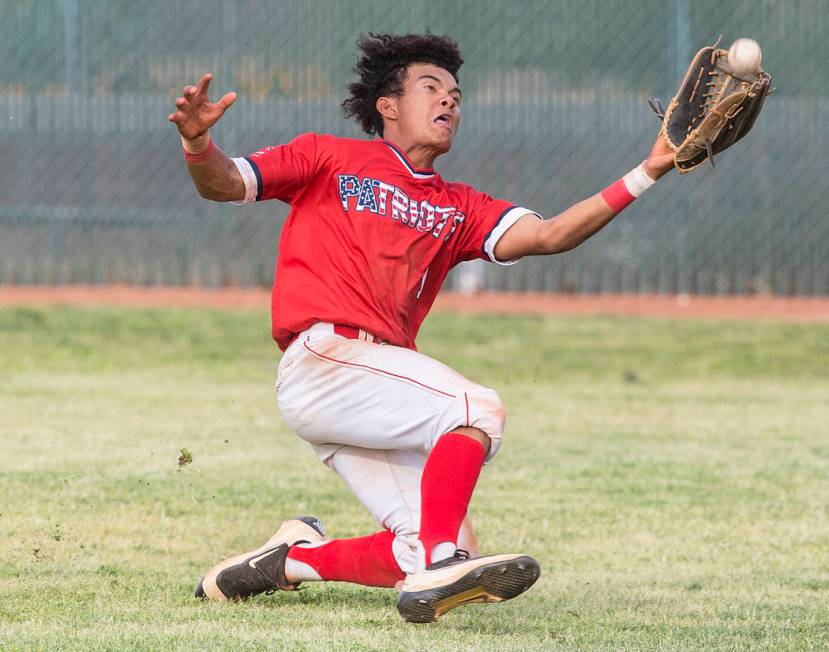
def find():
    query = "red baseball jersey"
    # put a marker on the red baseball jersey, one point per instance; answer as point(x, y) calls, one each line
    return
point(369, 238)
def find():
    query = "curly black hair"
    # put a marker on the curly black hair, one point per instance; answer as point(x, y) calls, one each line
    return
point(382, 70)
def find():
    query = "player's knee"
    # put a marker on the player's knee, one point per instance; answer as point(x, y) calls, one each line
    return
point(404, 549)
point(487, 413)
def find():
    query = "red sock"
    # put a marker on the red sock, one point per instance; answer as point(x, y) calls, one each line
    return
point(446, 487)
point(364, 560)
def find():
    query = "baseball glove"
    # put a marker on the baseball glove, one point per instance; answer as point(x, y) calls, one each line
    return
point(712, 109)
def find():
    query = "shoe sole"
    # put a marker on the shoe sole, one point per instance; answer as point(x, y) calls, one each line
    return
point(291, 531)
point(494, 582)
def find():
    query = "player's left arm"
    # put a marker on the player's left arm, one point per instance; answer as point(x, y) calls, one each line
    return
point(530, 236)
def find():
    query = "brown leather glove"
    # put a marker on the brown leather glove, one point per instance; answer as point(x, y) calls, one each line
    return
point(712, 109)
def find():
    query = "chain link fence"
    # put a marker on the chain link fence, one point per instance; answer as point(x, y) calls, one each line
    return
point(93, 188)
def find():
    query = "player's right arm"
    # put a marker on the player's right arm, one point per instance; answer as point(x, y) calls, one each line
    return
point(215, 176)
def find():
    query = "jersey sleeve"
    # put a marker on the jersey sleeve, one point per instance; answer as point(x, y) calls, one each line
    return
point(488, 220)
point(279, 172)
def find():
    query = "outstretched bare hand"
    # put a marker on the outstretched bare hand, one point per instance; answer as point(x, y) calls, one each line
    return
point(660, 161)
point(195, 113)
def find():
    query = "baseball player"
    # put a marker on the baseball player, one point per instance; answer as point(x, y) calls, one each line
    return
point(372, 232)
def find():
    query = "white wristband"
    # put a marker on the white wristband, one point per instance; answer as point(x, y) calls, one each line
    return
point(196, 145)
point(637, 180)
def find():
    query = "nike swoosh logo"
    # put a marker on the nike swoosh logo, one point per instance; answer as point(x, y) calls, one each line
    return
point(253, 560)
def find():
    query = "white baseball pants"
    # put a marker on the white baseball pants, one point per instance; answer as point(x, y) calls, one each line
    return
point(372, 412)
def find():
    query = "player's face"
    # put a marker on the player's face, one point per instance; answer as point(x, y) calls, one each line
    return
point(430, 107)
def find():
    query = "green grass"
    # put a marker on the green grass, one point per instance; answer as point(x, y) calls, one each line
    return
point(672, 477)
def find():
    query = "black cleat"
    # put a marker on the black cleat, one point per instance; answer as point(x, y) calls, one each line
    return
point(444, 585)
point(261, 570)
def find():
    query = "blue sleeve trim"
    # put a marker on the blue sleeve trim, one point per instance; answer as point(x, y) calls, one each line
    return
point(258, 178)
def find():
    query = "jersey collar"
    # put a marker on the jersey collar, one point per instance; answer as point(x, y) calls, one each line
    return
point(415, 172)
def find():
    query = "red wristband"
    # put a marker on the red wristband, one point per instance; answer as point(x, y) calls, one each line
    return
point(201, 157)
point(617, 196)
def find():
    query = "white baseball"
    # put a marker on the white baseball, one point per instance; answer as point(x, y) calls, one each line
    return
point(744, 57)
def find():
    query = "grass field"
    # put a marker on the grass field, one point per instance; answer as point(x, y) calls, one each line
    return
point(672, 477)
